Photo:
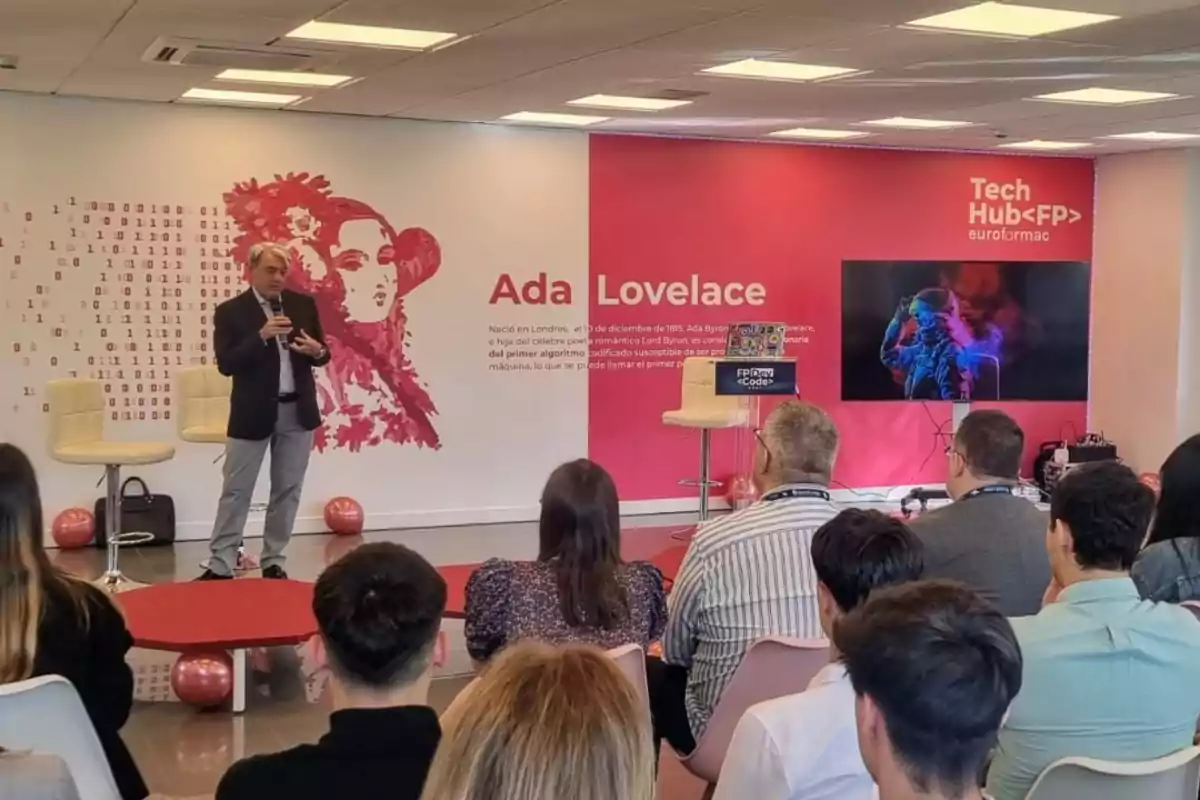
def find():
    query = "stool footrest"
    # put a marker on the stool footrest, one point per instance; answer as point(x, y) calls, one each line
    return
point(125, 539)
point(697, 483)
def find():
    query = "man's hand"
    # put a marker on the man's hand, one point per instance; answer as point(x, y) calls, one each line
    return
point(305, 345)
point(902, 310)
point(275, 326)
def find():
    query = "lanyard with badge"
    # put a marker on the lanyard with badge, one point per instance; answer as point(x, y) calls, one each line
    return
point(999, 488)
point(794, 493)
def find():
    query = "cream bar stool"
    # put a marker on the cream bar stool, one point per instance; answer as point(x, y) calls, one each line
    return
point(202, 408)
point(701, 407)
point(202, 404)
point(77, 413)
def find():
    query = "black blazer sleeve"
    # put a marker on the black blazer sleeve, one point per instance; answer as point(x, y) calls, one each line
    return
point(317, 333)
point(236, 344)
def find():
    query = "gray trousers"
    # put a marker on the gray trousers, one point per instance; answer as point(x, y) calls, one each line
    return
point(290, 446)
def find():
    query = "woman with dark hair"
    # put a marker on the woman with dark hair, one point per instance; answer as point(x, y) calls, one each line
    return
point(54, 624)
point(578, 590)
point(1168, 569)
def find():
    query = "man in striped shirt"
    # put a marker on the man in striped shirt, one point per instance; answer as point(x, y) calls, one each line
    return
point(747, 575)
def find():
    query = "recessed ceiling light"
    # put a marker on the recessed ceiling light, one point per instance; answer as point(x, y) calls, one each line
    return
point(1105, 97)
point(1007, 19)
point(818, 133)
point(243, 98)
point(918, 124)
point(370, 35)
point(283, 77)
point(540, 118)
point(1155, 136)
point(627, 103)
point(1039, 144)
point(778, 70)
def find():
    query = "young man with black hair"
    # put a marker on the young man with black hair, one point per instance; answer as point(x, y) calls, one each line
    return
point(1107, 675)
point(379, 611)
point(988, 538)
point(934, 667)
point(805, 747)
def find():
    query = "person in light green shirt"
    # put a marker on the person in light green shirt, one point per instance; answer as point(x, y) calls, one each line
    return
point(1107, 675)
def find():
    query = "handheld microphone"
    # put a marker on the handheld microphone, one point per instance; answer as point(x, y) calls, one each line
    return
point(277, 310)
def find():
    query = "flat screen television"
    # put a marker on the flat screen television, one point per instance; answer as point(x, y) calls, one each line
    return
point(965, 330)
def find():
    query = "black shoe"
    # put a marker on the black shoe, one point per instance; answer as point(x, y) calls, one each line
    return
point(209, 575)
point(274, 573)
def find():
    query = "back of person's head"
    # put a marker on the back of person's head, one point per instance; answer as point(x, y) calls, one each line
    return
point(1099, 514)
point(580, 528)
point(990, 444)
point(544, 723)
point(858, 552)
point(935, 668)
point(25, 570)
point(1177, 514)
point(801, 444)
point(379, 609)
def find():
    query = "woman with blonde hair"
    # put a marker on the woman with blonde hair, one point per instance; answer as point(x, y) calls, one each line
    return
point(546, 723)
point(54, 624)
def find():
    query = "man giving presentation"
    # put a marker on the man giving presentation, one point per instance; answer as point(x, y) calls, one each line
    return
point(268, 339)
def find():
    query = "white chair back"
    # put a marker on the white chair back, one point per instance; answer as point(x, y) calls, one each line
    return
point(1173, 777)
point(45, 715)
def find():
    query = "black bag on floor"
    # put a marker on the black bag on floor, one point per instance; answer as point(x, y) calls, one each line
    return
point(140, 513)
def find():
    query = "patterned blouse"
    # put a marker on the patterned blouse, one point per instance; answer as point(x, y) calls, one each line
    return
point(512, 600)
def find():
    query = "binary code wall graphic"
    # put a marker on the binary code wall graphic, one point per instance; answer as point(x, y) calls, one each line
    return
point(117, 290)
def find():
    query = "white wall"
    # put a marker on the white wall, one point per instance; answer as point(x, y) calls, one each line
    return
point(1145, 384)
point(497, 200)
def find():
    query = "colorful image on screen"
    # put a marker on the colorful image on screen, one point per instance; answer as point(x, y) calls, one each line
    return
point(964, 331)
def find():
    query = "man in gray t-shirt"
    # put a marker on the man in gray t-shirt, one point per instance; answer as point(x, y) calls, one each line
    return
point(988, 538)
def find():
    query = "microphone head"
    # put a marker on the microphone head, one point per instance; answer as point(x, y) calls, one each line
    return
point(276, 306)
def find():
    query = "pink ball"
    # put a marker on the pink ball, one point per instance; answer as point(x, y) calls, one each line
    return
point(742, 492)
point(73, 528)
point(203, 680)
point(344, 516)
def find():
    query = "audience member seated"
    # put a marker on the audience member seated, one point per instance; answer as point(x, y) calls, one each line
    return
point(379, 610)
point(988, 538)
point(1107, 674)
point(26, 776)
point(934, 668)
point(54, 624)
point(579, 590)
point(1168, 570)
point(805, 747)
point(546, 722)
point(746, 575)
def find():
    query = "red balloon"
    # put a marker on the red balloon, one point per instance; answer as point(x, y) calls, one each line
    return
point(344, 516)
point(203, 680)
point(73, 528)
point(742, 492)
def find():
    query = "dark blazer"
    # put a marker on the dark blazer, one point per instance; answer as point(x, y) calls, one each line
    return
point(368, 754)
point(254, 364)
point(91, 656)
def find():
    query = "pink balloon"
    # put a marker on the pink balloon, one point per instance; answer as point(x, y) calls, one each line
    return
point(742, 492)
point(344, 516)
point(73, 528)
point(1152, 480)
point(203, 680)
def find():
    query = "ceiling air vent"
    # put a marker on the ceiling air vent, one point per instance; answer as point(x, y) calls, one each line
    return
point(226, 55)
